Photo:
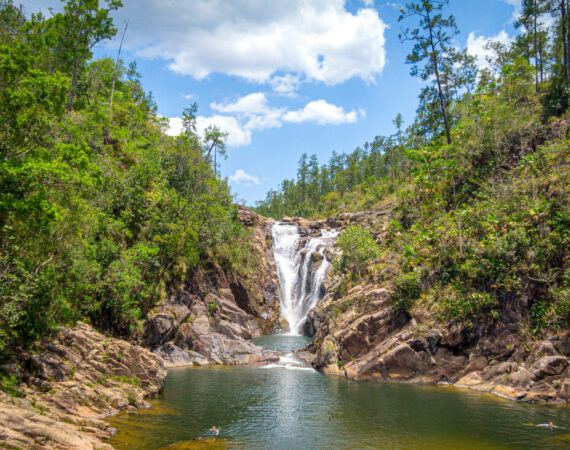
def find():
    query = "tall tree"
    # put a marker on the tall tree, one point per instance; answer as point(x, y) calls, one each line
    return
point(433, 52)
point(71, 36)
point(530, 20)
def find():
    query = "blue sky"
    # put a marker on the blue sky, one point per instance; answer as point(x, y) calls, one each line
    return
point(284, 77)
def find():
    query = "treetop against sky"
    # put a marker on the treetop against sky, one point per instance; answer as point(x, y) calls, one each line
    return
point(285, 78)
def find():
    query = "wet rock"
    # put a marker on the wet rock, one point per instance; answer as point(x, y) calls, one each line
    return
point(476, 363)
point(499, 369)
point(173, 356)
point(448, 364)
point(400, 363)
point(520, 378)
point(541, 392)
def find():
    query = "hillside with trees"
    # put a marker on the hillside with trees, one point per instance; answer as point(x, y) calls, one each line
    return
point(477, 186)
point(100, 210)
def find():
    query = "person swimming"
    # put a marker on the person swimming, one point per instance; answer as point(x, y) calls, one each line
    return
point(215, 431)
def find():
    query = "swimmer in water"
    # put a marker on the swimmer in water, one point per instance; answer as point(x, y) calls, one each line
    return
point(215, 431)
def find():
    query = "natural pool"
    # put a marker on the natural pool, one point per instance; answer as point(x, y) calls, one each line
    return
point(294, 407)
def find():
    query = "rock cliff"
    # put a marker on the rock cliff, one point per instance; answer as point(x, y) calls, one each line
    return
point(359, 334)
point(212, 316)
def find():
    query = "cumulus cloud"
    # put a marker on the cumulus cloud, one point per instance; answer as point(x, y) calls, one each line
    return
point(253, 113)
point(255, 103)
point(317, 40)
point(308, 40)
point(476, 46)
point(242, 177)
point(285, 85)
point(322, 113)
point(175, 126)
point(237, 135)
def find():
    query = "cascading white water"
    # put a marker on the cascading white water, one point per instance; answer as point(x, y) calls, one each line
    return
point(300, 288)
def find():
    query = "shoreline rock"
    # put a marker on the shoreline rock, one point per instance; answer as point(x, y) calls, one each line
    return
point(71, 384)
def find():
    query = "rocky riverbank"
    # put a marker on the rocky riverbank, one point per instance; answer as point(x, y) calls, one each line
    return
point(359, 334)
point(64, 389)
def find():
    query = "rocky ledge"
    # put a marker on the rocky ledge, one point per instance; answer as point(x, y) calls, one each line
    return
point(64, 390)
point(360, 336)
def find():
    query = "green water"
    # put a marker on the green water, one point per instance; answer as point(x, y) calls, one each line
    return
point(289, 408)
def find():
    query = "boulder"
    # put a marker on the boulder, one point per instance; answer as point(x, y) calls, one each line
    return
point(400, 363)
point(158, 330)
point(549, 366)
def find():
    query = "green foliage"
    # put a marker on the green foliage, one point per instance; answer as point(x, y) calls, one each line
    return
point(99, 210)
point(556, 100)
point(212, 308)
point(9, 384)
point(408, 289)
point(480, 227)
point(133, 381)
point(358, 249)
point(131, 398)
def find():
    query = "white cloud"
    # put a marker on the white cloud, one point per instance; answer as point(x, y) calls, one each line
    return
point(322, 113)
point(237, 135)
point(317, 40)
point(254, 110)
point(253, 113)
point(301, 40)
point(175, 126)
point(189, 96)
point(285, 85)
point(244, 178)
point(368, 3)
point(250, 104)
point(517, 4)
point(476, 46)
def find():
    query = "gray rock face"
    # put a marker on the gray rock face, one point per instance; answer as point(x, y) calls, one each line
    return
point(211, 318)
point(359, 327)
point(158, 330)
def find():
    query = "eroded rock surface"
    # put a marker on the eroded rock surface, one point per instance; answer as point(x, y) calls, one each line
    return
point(69, 385)
point(360, 335)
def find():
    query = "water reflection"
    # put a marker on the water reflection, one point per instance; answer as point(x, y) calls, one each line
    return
point(281, 408)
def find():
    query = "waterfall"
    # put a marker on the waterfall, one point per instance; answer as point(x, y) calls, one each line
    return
point(295, 259)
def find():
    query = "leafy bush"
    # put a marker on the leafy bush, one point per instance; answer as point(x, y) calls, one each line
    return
point(358, 249)
point(9, 384)
point(212, 308)
point(408, 289)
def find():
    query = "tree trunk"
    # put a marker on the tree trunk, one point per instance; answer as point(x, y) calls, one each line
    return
point(535, 13)
point(438, 78)
point(564, 45)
